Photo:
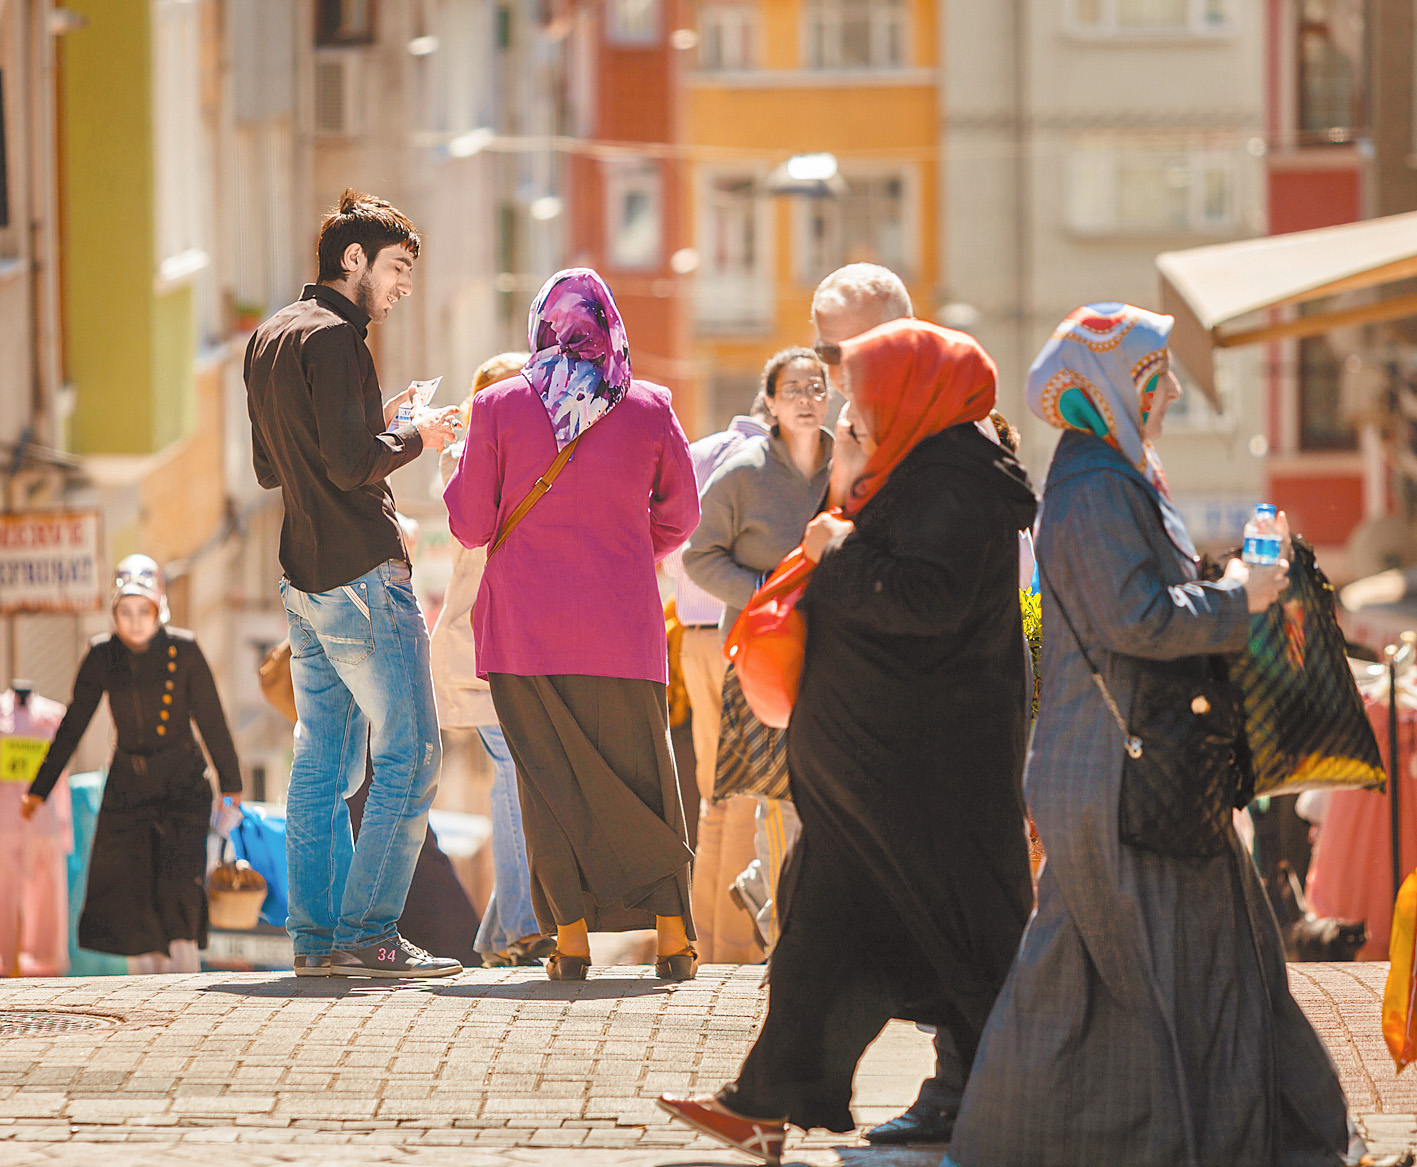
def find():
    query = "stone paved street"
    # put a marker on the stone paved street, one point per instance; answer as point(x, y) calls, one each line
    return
point(493, 1067)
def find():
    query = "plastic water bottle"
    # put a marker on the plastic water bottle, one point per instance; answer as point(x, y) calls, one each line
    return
point(1262, 542)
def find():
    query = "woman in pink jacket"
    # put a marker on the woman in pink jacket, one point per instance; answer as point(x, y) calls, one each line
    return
point(568, 623)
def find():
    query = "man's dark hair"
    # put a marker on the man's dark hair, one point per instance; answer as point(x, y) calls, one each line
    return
point(363, 219)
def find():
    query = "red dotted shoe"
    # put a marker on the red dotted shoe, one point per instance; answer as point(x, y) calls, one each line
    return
point(761, 1138)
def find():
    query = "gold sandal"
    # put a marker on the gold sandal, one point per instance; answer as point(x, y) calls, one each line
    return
point(678, 966)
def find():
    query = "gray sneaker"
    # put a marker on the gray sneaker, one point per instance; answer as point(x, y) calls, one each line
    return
point(313, 966)
point(395, 957)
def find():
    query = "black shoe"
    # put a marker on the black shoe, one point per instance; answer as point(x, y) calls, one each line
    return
point(560, 967)
point(313, 966)
point(395, 957)
point(913, 1126)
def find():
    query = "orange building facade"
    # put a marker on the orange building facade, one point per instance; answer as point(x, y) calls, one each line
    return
point(774, 79)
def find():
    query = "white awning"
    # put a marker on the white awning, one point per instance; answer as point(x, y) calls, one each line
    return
point(1211, 290)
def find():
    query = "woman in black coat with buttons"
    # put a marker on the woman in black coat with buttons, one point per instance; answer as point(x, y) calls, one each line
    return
point(145, 896)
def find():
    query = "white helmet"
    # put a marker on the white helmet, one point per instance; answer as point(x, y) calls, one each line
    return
point(139, 575)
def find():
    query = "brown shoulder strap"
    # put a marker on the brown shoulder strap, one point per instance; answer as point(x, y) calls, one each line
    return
point(533, 496)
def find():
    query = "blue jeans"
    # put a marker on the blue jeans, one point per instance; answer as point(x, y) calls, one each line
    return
point(359, 662)
point(509, 915)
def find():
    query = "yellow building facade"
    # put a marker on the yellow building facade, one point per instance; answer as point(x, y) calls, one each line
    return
point(776, 79)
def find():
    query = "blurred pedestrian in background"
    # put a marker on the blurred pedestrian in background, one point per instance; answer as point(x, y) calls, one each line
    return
point(755, 507)
point(509, 933)
point(726, 933)
point(145, 898)
point(569, 624)
point(1148, 1018)
point(909, 886)
point(359, 645)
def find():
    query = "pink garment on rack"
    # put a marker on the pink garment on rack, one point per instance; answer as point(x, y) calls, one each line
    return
point(1350, 875)
point(34, 875)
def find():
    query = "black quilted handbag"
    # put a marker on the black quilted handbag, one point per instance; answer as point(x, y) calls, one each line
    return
point(1187, 763)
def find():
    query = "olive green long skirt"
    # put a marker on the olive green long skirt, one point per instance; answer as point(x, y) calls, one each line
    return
point(605, 830)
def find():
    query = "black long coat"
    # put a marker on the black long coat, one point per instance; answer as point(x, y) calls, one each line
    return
point(149, 853)
point(909, 887)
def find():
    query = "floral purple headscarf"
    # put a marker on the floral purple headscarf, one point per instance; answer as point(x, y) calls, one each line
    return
point(580, 359)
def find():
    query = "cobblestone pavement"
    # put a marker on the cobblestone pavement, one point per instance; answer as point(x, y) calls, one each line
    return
point(494, 1067)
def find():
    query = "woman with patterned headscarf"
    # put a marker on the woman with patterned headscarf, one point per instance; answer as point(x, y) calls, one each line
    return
point(568, 622)
point(909, 886)
point(1148, 1018)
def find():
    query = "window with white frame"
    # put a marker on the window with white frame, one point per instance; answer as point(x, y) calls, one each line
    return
point(854, 34)
point(634, 203)
point(728, 35)
point(344, 22)
point(733, 285)
point(1112, 189)
point(1148, 17)
point(459, 72)
point(633, 22)
point(872, 221)
point(177, 132)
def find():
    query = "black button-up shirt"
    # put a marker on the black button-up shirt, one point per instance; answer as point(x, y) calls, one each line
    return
point(317, 432)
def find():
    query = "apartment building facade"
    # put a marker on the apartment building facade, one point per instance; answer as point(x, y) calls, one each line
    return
point(774, 80)
point(1079, 138)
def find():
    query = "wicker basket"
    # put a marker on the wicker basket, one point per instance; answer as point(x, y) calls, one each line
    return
point(235, 893)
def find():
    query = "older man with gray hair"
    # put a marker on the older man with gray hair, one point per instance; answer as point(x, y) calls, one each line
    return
point(852, 300)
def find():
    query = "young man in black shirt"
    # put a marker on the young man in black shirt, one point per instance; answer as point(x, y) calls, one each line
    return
point(359, 645)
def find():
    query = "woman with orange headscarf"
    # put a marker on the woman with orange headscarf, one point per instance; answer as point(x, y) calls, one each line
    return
point(909, 887)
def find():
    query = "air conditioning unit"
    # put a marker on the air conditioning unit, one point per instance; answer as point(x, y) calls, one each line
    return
point(340, 99)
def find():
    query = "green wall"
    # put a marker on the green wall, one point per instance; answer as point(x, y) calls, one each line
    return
point(129, 351)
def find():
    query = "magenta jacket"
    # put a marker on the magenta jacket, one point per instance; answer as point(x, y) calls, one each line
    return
point(572, 590)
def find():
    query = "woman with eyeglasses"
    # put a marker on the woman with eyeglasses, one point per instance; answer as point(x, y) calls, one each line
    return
point(755, 507)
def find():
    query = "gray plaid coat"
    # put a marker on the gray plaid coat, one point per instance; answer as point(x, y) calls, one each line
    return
point(1147, 1019)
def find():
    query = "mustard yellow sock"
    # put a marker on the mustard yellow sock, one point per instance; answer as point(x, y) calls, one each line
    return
point(672, 938)
point(573, 939)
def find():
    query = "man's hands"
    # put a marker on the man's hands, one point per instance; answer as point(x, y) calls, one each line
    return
point(435, 426)
point(391, 406)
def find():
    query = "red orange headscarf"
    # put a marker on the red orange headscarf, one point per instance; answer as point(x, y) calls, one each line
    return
point(910, 379)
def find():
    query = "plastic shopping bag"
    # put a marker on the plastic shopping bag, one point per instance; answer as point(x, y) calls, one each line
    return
point(261, 843)
point(1304, 718)
point(768, 641)
point(1399, 1023)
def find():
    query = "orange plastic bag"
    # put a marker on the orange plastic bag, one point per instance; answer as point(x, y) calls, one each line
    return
point(1399, 1022)
point(767, 642)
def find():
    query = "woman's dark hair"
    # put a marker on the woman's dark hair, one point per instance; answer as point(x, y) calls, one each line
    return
point(363, 219)
point(780, 360)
